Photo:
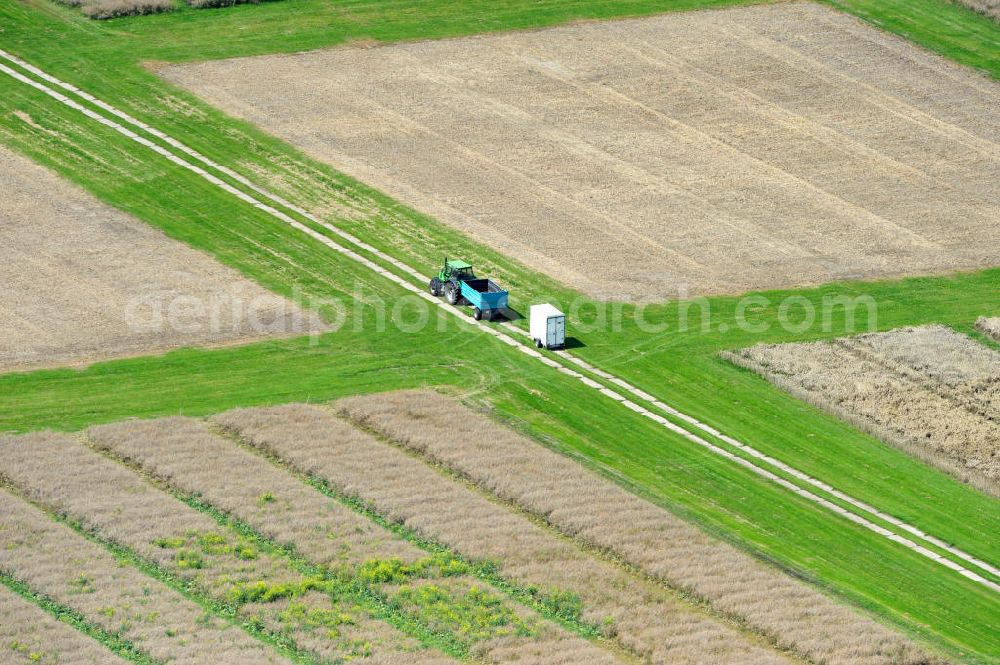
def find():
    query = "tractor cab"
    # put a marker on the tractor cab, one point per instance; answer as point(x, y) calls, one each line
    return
point(454, 271)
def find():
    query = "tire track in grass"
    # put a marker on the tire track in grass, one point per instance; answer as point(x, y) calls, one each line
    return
point(791, 471)
point(507, 339)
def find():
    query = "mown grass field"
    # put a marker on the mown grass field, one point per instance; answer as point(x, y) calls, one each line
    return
point(681, 367)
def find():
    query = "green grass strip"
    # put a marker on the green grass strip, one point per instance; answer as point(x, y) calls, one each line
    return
point(71, 617)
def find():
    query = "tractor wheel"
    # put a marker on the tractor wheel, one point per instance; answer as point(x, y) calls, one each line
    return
point(477, 314)
point(435, 287)
point(451, 293)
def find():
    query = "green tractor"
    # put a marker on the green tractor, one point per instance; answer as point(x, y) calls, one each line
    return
point(456, 282)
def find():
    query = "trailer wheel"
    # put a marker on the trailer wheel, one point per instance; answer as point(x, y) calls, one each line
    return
point(451, 293)
point(538, 343)
point(435, 287)
point(477, 314)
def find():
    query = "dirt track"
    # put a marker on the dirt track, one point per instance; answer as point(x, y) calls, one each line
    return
point(84, 282)
point(730, 150)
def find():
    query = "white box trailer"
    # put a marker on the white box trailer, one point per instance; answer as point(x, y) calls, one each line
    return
point(547, 326)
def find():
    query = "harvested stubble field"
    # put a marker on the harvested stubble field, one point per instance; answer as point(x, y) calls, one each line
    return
point(989, 326)
point(721, 151)
point(84, 282)
point(29, 635)
point(928, 390)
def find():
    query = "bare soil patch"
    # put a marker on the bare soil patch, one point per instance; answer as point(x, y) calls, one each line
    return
point(700, 153)
point(989, 326)
point(84, 282)
point(928, 390)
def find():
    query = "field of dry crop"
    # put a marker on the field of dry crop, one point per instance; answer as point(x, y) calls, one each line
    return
point(643, 617)
point(293, 512)
point(600, 514)
point(102, 9)
point(221, 564)
point(84, 282)
point(66, 567)
point(447, 539)
point(322, 607)
point(30, 635)
point(928, 390)
point(720, 152)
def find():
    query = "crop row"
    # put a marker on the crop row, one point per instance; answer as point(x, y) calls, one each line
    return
point(599, 513)
point(275, 502)
point(642, 617)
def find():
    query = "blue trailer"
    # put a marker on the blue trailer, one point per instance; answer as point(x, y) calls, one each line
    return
point(457, 282)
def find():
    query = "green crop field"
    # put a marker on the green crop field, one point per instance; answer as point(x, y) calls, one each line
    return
point(115, 61)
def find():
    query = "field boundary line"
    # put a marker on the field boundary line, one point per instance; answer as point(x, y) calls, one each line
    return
point(524, 348)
